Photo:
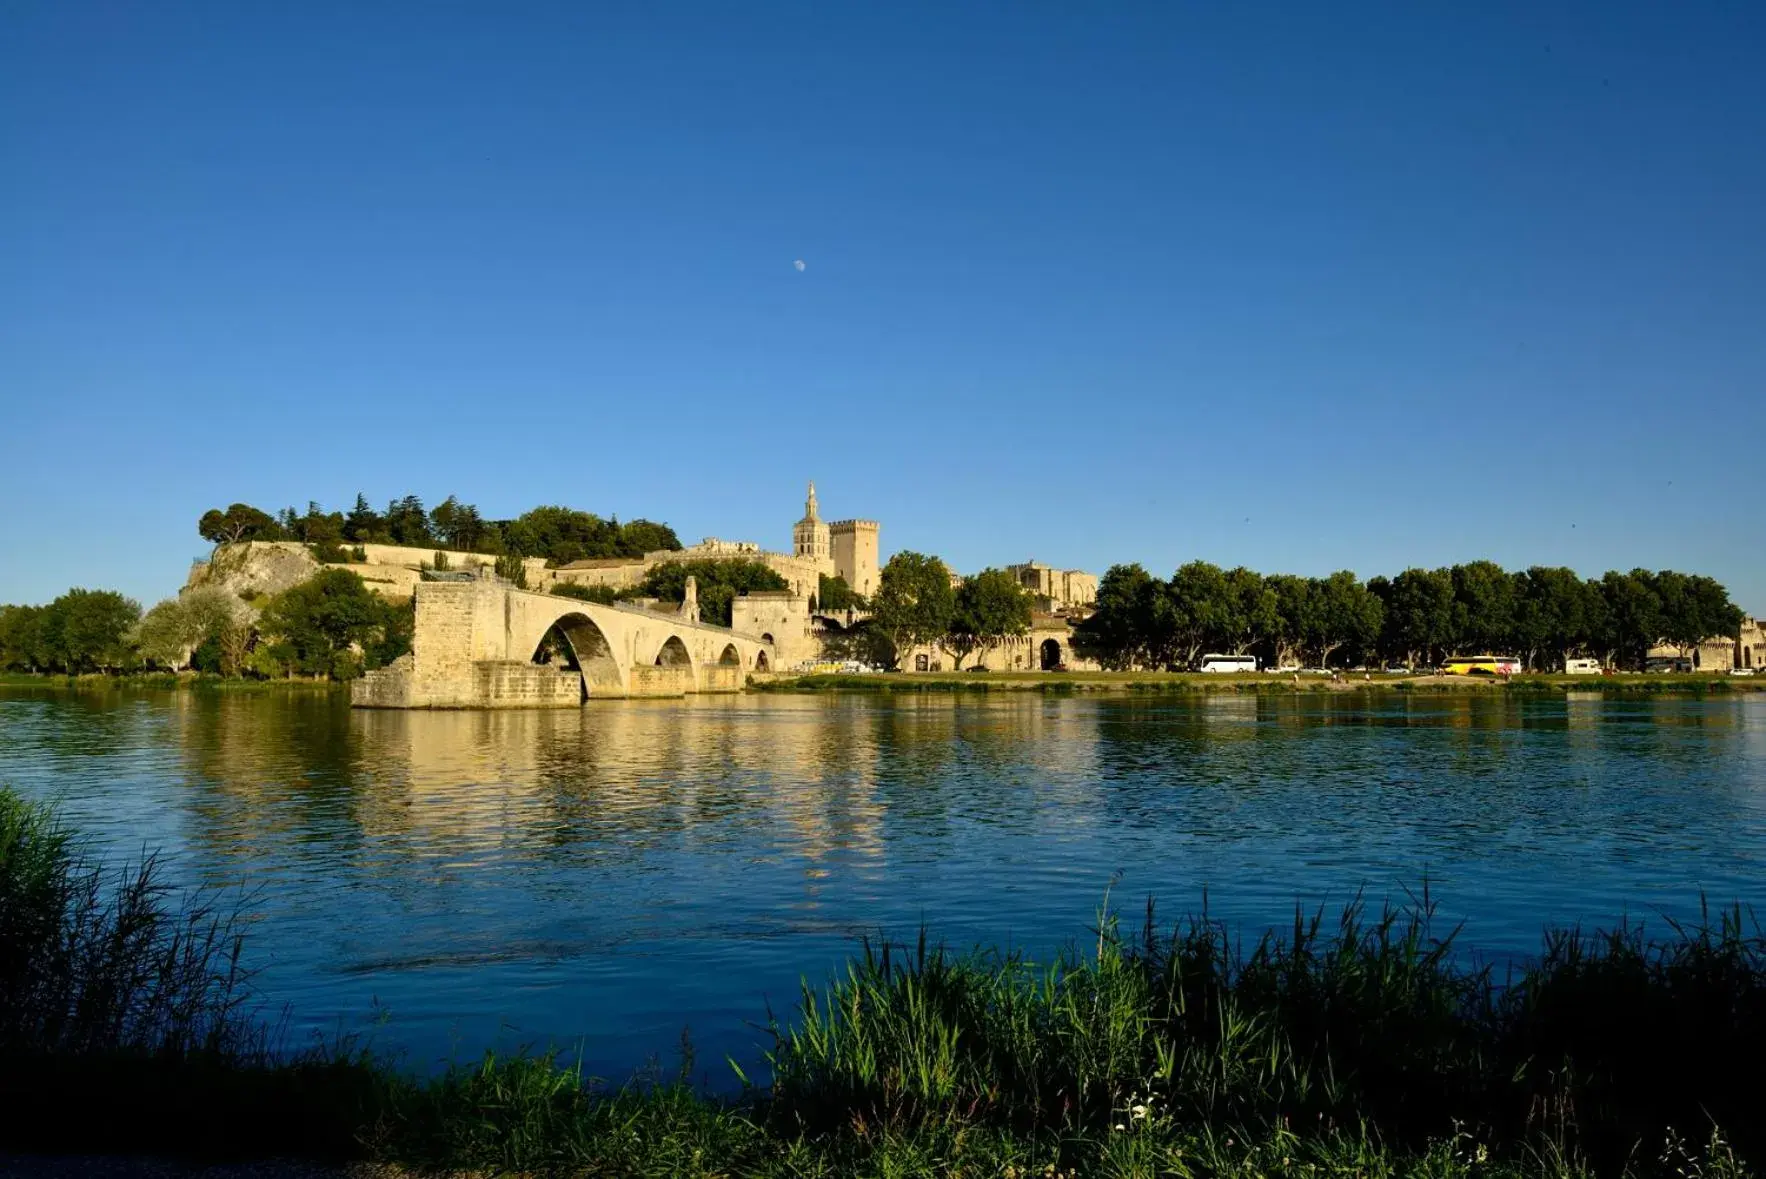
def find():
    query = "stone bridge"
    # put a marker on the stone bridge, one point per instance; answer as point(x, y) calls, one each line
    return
point(477, 642)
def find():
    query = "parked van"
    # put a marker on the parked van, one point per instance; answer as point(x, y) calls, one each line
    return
point(1581, 667)
point(1226, 663)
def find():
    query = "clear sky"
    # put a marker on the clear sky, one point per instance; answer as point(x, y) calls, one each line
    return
point(1303, 287)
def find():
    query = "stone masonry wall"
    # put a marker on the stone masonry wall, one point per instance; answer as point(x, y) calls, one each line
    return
point(525, 685)
point(661, 681)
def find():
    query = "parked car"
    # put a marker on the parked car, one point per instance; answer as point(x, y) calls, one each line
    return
point(1396, 669)
point(1314, 671)
point(977, 667)
point(1741, 671)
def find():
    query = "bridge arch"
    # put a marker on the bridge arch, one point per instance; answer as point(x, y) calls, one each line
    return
point(592, 653)
point(731, 657)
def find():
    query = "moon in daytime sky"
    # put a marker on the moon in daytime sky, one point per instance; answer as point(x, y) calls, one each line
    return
point(800, 266)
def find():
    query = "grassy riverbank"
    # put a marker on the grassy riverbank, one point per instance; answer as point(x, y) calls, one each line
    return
point(1361, 1046)
point(160, 680)
point(1182, 682)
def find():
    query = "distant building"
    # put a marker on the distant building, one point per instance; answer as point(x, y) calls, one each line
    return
point(1717, 653)
point(1057, 589)
point(845, 548)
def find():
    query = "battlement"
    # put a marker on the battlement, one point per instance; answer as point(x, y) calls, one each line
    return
point(870, 525)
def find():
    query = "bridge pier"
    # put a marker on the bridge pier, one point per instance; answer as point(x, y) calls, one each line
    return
point(475, 641)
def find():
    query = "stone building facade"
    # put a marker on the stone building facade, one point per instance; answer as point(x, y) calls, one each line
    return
point(1719, 652)
point(1057, 589)
point(1047, 646)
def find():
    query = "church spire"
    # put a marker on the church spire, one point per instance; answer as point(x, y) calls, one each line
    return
point(809, 505)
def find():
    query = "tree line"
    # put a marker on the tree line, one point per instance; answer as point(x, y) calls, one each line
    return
point(919, 603)
point(559, 534)
point(329, 626)
point(1541, 614)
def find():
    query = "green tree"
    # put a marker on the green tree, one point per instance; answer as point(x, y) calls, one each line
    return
point(718, 584)
point(1251, 615)
point(408, 523)
point(1550, 617)
point(317, 527)
point(645, 536)
point(170, 633)
point(835, 596)
point(1419, 614)
point(1483, 606)
point(914, 602)
point(87, 630)
point(21, 638)
point(1293, 616)
point(1202, 605)
point(1633, 615)
point(444, 521)
point(363, 525)
point(1114, 634)
point(317, 627)
point(561, 535)
point(240, 522)
point(1344, 613)
point(511, 568)
point(989, 608)
point(1694, 608)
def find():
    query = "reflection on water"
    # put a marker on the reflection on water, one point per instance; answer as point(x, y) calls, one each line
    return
point(617, 873)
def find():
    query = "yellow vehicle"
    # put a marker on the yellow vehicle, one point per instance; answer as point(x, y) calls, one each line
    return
point(1481, 665)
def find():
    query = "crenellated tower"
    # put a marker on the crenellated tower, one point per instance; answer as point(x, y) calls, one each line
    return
point(855, 553)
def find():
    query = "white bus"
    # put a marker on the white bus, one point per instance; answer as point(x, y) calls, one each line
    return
point(1226, 663)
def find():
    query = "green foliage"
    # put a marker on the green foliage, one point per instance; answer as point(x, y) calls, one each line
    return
point(317, 527)
point(240, 522)
point(835, 596)
point(1540, 614)
point(1119, 633)
point(81, 631)
point(21, 642)
point(199, 622)
point(990, 607)
point(914, 603)
point(332, 625)
point(718, 584)
point(558, 534)
point(1373, 1022)
point(606, 595)
point(512, 569)
point(89, 968)
point(562, 535)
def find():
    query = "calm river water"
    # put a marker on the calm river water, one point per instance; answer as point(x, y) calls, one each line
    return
point(611, 876)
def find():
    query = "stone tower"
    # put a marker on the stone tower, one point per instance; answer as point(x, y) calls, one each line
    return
point(810, 537)
point(855, 553)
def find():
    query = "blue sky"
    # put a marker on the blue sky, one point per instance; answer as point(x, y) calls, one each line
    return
point(1302, 287)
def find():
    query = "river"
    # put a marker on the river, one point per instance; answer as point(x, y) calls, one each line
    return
point(604, 879)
